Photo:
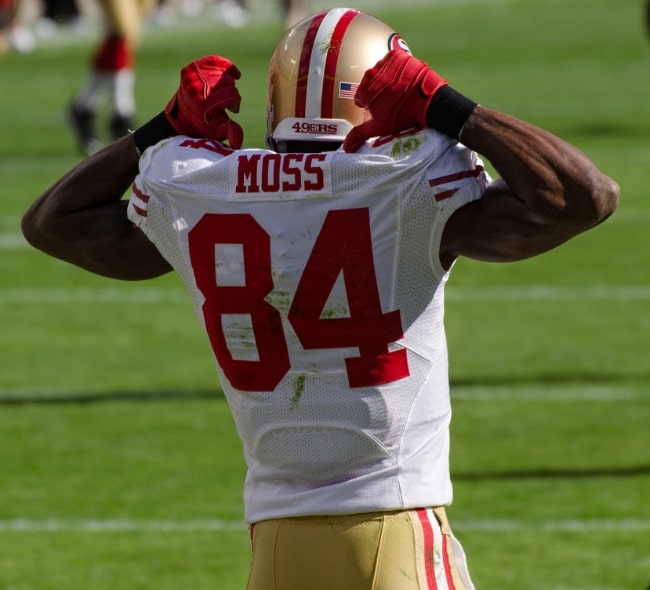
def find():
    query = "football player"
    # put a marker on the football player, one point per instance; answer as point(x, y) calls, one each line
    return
point(111, 74)
point(317, 268)
point(235, 12)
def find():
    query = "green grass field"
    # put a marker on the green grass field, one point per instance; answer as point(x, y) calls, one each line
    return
point(119, 464)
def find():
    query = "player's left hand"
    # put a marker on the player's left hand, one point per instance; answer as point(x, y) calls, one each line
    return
point(397, 93)
point(198, 108)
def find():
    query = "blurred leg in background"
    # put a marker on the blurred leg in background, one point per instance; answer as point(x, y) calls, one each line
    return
point(235, 13)
point(294, 11)
point(111, 74)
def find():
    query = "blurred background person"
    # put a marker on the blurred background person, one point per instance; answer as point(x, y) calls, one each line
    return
point(235, 13)
point(111, 74)
point(35, 20)
point(294, 11)
point(64, 12)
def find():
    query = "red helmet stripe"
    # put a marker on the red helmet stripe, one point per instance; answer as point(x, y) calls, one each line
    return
point(303, 68)
point(331, 62)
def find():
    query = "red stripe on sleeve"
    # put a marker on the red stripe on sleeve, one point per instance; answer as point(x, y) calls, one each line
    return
point(446, 194)
point(456, 176)
point(142, 197)
point(138, 193)
point(140, 211)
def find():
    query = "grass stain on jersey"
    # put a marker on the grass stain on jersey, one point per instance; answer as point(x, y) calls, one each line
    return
point(298, 390)
point(406, 145)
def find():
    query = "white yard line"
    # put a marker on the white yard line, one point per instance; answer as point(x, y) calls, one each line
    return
point(569, 525)
point(89, 296)
point(550, 293)
point(553, 392)
point(118, 525)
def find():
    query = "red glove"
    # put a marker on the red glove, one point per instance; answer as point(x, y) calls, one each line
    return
point(397, 93)
point(206, 90)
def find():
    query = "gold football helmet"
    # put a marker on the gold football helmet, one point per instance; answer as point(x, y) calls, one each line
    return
point(315, 71)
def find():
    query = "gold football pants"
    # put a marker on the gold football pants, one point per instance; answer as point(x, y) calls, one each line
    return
point(407, 550)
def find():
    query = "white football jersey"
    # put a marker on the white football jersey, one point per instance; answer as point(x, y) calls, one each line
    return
point(318, 281)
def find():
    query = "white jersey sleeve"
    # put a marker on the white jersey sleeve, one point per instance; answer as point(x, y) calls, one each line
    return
point(318, 281)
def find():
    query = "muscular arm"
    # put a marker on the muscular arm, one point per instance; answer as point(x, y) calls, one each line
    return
point(82, 218)
point(548, 192)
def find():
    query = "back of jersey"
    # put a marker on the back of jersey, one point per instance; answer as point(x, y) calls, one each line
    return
point(318, 282)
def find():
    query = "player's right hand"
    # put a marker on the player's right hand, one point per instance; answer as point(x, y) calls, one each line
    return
point(397, 93)
point(198, 108)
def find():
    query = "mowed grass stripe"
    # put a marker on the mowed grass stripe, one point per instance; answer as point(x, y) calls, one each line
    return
point(179, 526)
point(555, 392)
point(505, 293)
point(16, 241)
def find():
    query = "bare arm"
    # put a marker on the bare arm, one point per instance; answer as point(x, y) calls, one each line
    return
point(82, 218)
point(548, 193)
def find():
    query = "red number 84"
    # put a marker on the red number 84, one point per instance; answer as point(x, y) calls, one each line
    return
point(344, 245)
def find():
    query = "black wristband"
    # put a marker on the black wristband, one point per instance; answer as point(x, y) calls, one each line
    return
point(448, 111)
point(153, 131)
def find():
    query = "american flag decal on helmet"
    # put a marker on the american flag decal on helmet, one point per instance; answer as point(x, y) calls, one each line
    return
point(347, 89)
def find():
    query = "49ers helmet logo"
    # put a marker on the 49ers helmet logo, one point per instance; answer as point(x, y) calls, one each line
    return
point(396, 42)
